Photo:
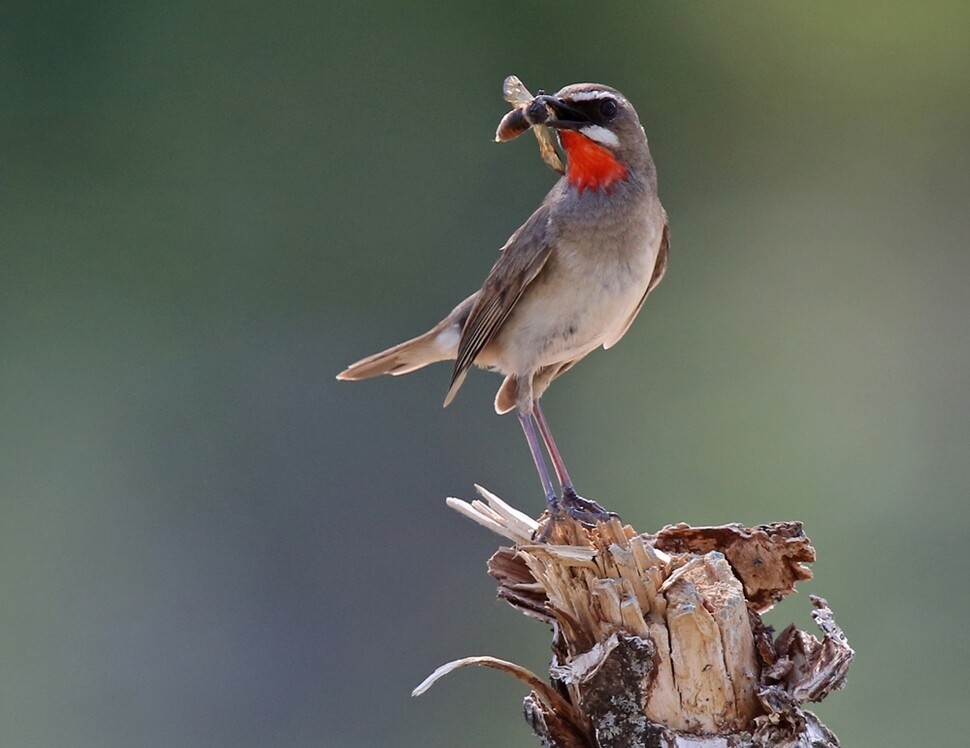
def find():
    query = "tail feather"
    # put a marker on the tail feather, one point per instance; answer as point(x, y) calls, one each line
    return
point(506, 395)
point(440, 343)
point(401, 359)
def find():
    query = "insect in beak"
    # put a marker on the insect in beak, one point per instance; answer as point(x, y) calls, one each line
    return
point(534, 112)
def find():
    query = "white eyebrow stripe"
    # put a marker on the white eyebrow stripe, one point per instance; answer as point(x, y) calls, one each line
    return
point(590, 95)
point(600, 135)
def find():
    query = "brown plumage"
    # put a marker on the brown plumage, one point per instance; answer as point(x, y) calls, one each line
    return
point(572, 278)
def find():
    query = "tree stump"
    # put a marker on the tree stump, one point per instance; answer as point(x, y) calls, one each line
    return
point(658, 639)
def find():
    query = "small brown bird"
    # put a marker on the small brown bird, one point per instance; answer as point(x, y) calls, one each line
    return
point(572, 278)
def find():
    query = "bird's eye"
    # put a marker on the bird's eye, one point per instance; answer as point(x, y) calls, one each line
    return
point(608, 108)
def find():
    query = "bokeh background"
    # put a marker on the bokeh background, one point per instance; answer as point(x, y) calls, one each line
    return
point(208, 209)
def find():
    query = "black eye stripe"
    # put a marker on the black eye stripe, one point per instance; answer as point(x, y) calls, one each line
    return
point(608, 108)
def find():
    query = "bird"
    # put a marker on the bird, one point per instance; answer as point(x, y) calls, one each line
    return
point(571, 279)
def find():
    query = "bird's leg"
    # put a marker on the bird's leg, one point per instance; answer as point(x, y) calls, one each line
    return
point(583, 510)
point(557, 463)
point(552, 501)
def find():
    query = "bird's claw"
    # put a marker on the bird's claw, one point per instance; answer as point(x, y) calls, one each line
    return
point(585, 511)
point(590, 519)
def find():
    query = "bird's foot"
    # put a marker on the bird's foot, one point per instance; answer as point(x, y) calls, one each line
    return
point(555, 512)
point(584, 511)
point(588, 513)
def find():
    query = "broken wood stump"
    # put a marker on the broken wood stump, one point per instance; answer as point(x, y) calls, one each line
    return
point(658, 639)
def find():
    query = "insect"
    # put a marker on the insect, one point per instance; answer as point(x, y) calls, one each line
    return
point(530, 111)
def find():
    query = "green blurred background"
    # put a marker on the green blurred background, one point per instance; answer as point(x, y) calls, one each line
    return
point(208, 209)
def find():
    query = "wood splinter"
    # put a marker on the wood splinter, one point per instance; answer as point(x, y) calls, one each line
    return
point(658, 639)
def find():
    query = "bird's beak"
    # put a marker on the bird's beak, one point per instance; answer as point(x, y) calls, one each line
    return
point(564, 116)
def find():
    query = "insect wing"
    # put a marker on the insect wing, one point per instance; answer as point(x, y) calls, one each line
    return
point(515, 123)
point(547, 149)
point(515, 93)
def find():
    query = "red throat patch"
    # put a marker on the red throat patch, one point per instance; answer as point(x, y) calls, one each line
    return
point(591, 166)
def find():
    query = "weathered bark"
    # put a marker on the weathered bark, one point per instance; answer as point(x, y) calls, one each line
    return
point(658, 639)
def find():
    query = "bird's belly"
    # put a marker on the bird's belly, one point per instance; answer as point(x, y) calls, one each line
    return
point(580, 303)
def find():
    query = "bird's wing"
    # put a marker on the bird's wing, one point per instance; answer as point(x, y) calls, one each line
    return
point(521, 260)
point(659, 268)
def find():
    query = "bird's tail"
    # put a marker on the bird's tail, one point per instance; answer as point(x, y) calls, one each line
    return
point(405, 357)
point(440, 343)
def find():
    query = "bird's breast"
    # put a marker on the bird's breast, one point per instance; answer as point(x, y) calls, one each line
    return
point(584, 296)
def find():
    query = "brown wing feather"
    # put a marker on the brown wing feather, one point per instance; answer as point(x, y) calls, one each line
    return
point(521, 260)
point(659, 268)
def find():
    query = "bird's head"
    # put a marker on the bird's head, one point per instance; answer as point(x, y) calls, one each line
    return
point(600, 133)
